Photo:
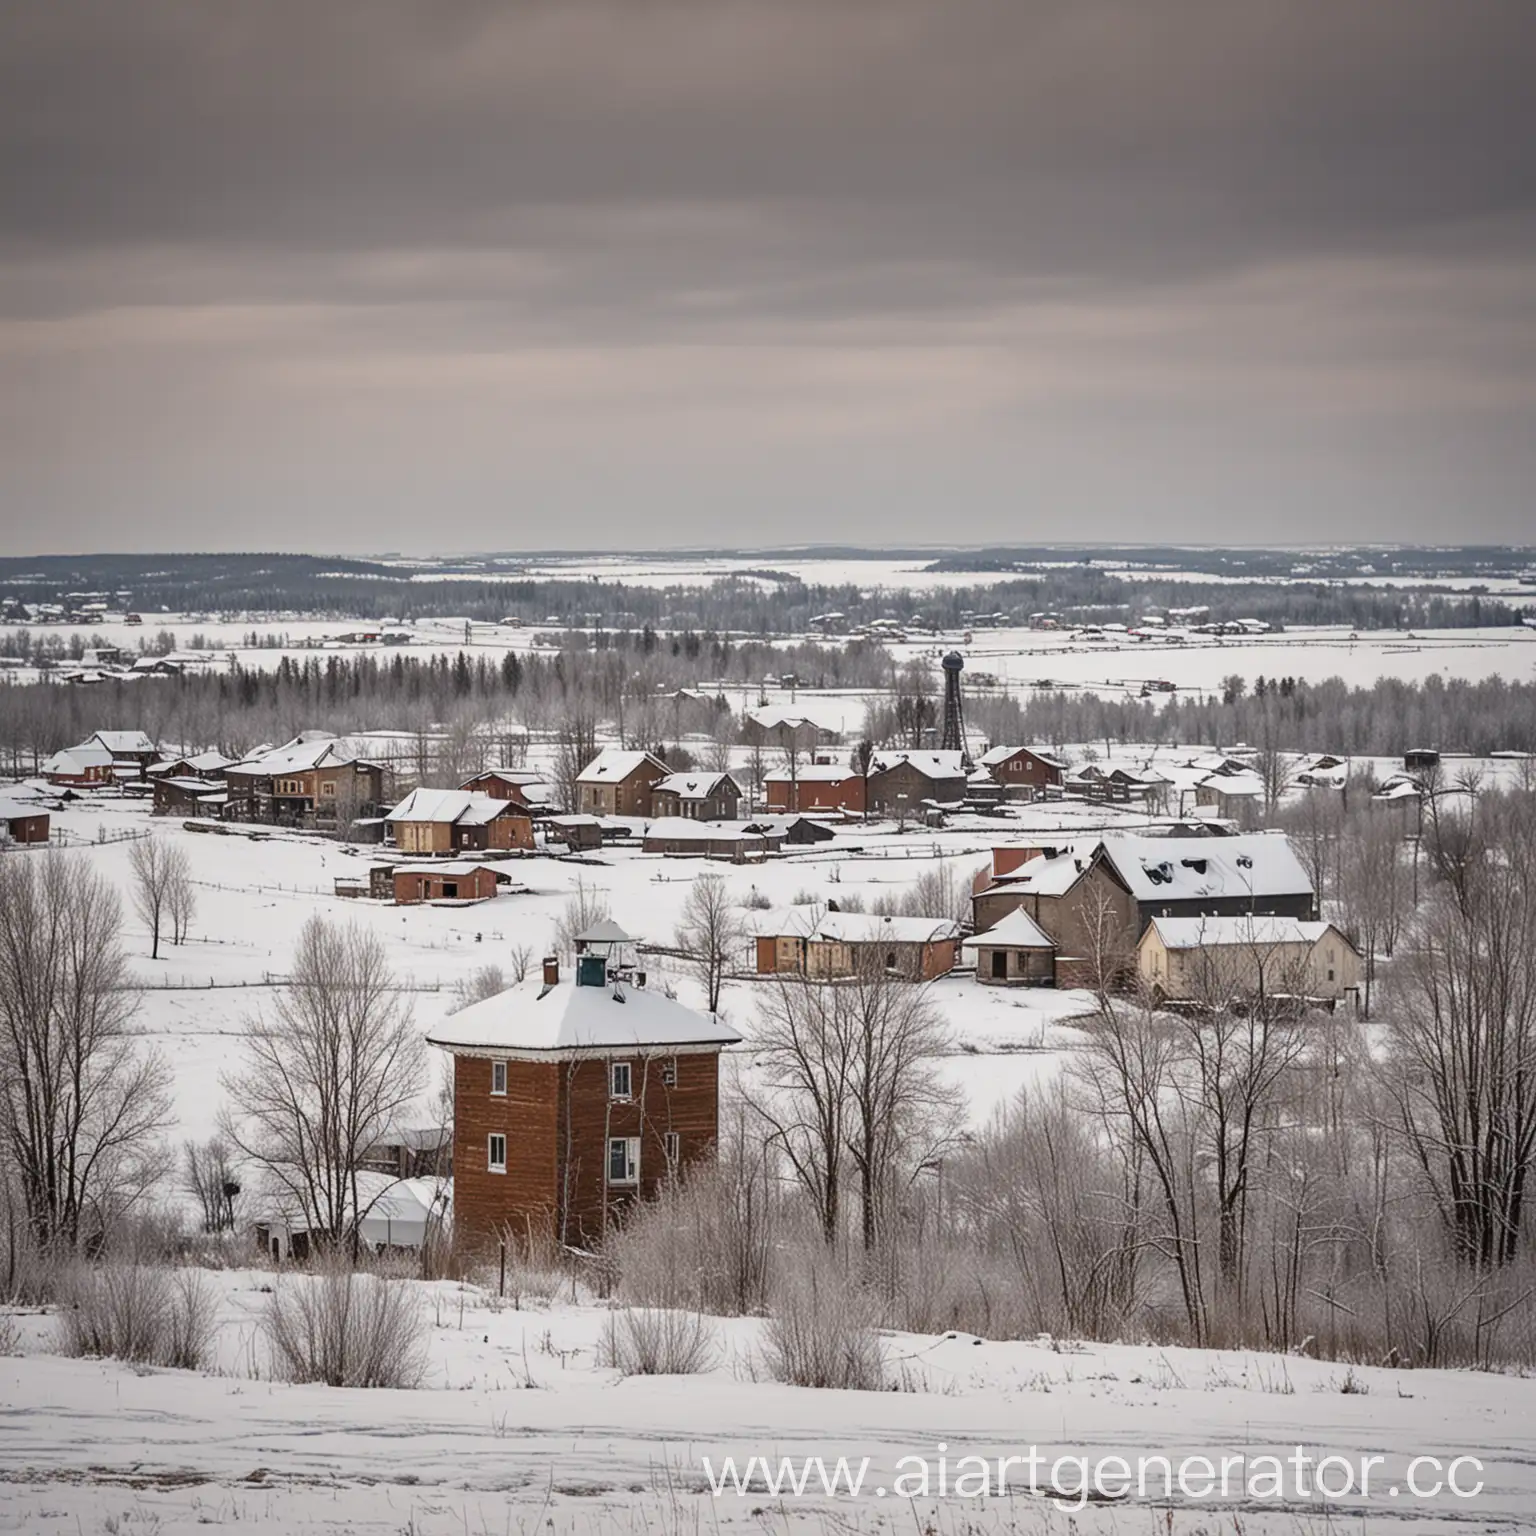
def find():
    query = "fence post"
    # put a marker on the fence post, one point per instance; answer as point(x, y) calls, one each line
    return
point(501, 1281)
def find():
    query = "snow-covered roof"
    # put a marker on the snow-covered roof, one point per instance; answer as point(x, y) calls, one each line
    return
point(457, 807)
point(1048, 877)
point(811, 773)
point(1018, 930)
point(454, 869)
point(118, 742)
point(994, 755)
point(1222, 932)
point(604, 931)
point(566, 1017)
point(936, 765)
point(78, 759)
point(685, 828)
point(614, 764)
point(297, 756)
point(1238, 785)
point(691, 786)
point(869, 928)
point(15, 810)
point(1258, 864)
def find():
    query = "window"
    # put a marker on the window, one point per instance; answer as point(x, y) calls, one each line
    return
point(618, 1080)
point(498, 1077)
point(328, 789)
point(624, 1160)
point(674, 1149)
point(669, 1073)
point(496, 1154)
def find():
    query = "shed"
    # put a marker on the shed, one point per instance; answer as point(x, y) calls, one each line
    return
point(1014, 952)
point(443, 881)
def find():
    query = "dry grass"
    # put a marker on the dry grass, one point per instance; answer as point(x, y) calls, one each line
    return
point(346, 1330)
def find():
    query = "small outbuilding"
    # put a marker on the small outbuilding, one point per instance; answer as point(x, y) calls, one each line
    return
point(445, 881)
point(21, 823)
point(1014, 952)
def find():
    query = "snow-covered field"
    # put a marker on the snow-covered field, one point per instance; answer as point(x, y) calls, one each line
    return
point(519, 1428)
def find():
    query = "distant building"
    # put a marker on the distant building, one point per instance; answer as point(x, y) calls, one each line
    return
point(681, 836)
point(900, 782)
point(619, 783)
point(1214, 960)
point(23, 823)
point(1016, 952)
point(815, 787)
point(312, 781)
point(827, 944)
point(697, 796)
point(441, 821)
point(1023, 772)
point(445, 881)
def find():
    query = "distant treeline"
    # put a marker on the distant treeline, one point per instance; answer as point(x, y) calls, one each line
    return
point(647, 697)
point(766, 604)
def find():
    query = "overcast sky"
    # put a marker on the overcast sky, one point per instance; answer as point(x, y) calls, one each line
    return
point(448, 276)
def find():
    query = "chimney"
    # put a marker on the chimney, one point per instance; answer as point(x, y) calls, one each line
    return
point(551, 970)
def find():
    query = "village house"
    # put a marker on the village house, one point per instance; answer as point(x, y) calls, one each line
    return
point(826, 944)
point(447, 880)
point(311, 781)
point(202, 765)
point(24, 823)
point(618, 783)
point(815, 787)
point(126, 747)
point(574, 1098)
point(445, 821)
point(902, 783)
point(1236, 796)
point(1024, 773)
point(79, 767)
point(1212, 960)
point(681, 837)
point(1014, 952)
point(696, 796)
point(1095, 900)
point(579, 834)
point(189, 796)
point(522, 786)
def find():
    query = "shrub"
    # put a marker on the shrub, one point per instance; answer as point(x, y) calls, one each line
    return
point(647, 1341)
point(143, 1313)
point(346, 1330)
point(10, 1336)
point(820, 1332)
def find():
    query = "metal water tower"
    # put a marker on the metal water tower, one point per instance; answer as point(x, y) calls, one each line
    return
point(953, 739)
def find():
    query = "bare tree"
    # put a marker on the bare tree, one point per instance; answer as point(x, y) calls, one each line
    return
point(710, 934)
point(180, 897)
point(160, 871)
point(520, 961)
point(212, 1179)
point(479, 985)
point(82, 1106)
point(325, 1077)
point(852, 1087)
point(583, 907)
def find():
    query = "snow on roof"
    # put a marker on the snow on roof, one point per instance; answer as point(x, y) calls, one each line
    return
point(1221, 932)
point(1243, 785)
point(1018, 930)
point(604, 931)
point(613, 764)
point(457, 807)
point(994, 755)
point(812, 773)
point(686, 829)
point(797, 922)
point(869, 928)
point(690, 786)
point(122, 741)
point(15, 810)
point(1258, 864)
point(936, 765)
point(78, 759)
point(453, 868)
point(297, 756)
point(1049, 877)
point(565, 1017)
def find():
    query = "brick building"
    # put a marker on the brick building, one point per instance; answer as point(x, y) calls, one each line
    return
point(574, 1097)
point(1022, 772)
point(815, 787)
point(619, 783)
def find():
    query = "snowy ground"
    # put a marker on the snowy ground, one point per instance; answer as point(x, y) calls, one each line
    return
point(520, 1428)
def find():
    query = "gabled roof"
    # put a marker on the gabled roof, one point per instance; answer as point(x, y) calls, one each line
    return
point(78, 759)
point(118, 742)
point(692, 786)
point(1258, 864)
point(994, 755)
point(686, 829)
point(1047, 877)
point(531, 1018)
point(1018, 930)
point(454, 869)
point(935, 765)
point(604, 931)
point(455, 807)
point(297, 756)
point(1225, 932)
point(613, 764)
